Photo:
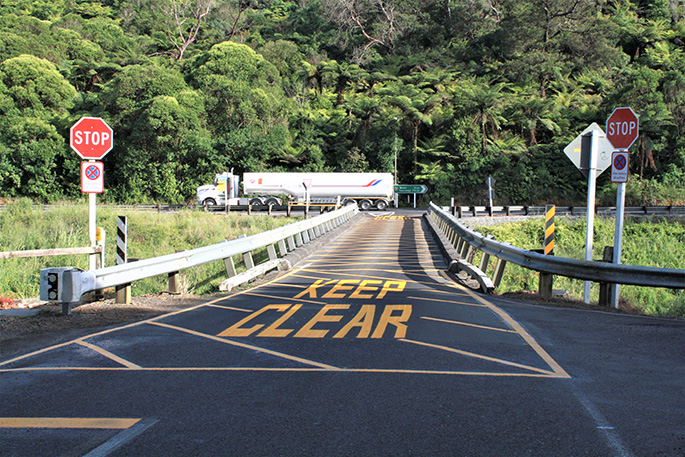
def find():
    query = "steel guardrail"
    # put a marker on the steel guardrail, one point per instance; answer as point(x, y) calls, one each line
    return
point(594, 271)
point(459, 211)
point(480, 211)
point(69, 283)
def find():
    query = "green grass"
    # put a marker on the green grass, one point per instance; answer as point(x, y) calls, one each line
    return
point(23, 227)
point(647, 242)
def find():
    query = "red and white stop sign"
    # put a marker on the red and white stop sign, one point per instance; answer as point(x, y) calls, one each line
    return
point(91, 138)
point(623, 128)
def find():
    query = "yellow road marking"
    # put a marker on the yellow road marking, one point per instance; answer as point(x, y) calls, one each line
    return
point(467, 324)
point(478, 356)
point(230, 308)
point(451, 302)
point(108, 354)
point(276, 297)
point(67, 422)
point(521, 331)
point(295, 370)
point(248, 346)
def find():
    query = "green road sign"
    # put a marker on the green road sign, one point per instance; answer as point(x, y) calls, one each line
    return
point(411, 189)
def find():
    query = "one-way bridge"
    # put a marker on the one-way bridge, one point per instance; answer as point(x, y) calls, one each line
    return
point(366, 348)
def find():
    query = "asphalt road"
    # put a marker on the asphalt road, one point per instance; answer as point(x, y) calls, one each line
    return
point(365, 349)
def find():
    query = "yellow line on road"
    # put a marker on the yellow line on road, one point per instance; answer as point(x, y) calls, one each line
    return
point(67, 422)
point(477, 356)
point(248, 346)
point(298, 370)
point(107, 354)
point(288, 299)
point(447, 321)
point(451, 302)
point(231, 308)
point(521, 331)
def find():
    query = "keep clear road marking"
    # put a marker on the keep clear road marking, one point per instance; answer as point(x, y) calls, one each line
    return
point(314, 316)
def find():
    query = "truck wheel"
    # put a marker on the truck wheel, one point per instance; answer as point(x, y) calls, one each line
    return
point(365, 205)
point(349, 201)
point(256, 201)
point(272, 202)
point(381, 205)
point(209, 202)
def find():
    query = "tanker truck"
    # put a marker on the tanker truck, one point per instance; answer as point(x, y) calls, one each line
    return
point(368, 190)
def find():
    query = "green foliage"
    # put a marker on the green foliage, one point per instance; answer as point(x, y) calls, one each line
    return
point(457, 91)
point(656, 242)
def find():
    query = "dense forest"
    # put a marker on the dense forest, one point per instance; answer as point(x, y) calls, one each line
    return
point(458, 90)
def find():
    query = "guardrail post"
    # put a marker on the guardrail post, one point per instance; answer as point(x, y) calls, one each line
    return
point(291, 243)
point(271, 249)
point(283, 248)
point(484, 260)
point(230, 267)
point(605, 288)
point(464, 248)
point(249, 261)
point(174, 282)
point(499, 272)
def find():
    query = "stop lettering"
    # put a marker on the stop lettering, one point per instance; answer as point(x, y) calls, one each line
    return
point(622, 128)
point(91, 138)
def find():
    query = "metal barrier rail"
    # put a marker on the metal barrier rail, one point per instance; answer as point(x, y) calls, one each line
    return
point(67, 284)
point(476, 211)
point(462, 238)
point(459, 211)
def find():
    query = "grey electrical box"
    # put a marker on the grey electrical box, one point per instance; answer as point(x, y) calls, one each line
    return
point(64, 284)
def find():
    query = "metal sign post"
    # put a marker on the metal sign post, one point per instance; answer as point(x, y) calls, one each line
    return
point(91, 138)
point(591, 189)
point(491, 190)
point(623, 128)
point(590, 152)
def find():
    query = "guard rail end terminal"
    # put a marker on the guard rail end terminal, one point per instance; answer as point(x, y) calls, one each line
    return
point(66, 285)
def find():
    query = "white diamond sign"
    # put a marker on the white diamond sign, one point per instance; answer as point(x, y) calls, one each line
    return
point(579, 153)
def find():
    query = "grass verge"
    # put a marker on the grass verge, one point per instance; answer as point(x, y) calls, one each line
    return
point(653, 242)
point(24, 227)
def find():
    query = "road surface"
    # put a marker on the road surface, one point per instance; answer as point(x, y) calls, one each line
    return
point(366, 348)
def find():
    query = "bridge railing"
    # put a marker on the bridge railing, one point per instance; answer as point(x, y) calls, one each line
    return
point(66, 285)
point(478, 211)
point(464, 241)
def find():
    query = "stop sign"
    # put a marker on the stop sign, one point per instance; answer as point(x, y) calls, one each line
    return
point(91, 138)
point(622, 128)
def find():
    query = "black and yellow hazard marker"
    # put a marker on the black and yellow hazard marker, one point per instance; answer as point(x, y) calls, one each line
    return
point(549, 229)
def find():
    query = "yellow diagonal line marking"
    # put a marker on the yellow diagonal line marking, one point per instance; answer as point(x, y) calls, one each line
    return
point(520, 330)
point(451, 302)
point(66, 422)
point(276, 297)
point(248, 346)
point(447, 321)
point(478, 356)
point(108, 354)
point(231, 308)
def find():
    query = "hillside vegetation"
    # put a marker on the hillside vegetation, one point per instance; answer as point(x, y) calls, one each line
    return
point(458, 90)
